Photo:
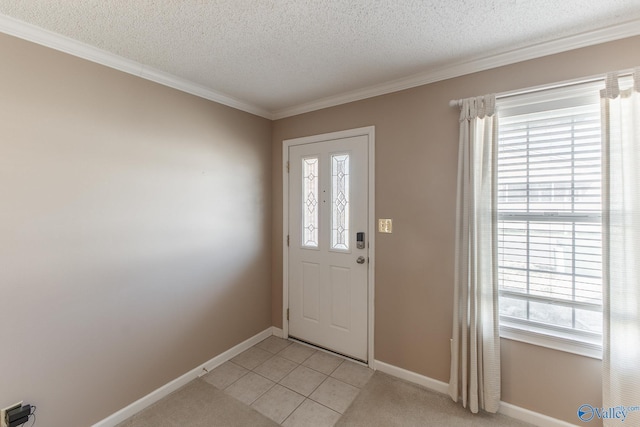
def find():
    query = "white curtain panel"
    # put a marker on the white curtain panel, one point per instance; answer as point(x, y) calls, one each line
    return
point(621, 244)
point(475, 348)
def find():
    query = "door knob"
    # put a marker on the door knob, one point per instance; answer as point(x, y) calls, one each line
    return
point(360, 260)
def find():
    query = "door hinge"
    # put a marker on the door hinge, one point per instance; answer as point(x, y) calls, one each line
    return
point(287, 166)
point(287, 240)
point(287, 314)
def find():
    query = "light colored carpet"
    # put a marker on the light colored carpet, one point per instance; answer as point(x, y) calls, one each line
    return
point(388, 402)
point(198, 404)
point(385, 401)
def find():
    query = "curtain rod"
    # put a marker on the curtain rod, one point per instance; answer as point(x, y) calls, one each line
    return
point(566, 83)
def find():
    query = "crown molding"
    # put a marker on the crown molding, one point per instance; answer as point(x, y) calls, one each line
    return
point(32, 33)
point(73, 47)
point(589, 38)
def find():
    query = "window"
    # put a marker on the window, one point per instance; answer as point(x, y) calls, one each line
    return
point(310, 202)
point(549, 219)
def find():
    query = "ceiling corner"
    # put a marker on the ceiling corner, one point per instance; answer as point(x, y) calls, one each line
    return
point(585, 39)
point(34, 34)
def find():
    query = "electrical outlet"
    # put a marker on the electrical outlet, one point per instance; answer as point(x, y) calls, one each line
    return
point(3, 413)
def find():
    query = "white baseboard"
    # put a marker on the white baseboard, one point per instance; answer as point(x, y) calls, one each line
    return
point(507, 409)
point(532, 417)
point(172, 386)
point(413, 377)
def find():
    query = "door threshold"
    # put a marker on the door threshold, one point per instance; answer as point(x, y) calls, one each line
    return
point(325, 350)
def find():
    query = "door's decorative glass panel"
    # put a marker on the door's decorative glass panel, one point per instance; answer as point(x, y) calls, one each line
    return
point(310, 202)
point(340, 201)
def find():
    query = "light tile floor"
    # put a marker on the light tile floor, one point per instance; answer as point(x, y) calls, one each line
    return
point(291, 383)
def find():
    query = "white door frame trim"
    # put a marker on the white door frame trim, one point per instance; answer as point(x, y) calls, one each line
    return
point(369, 131)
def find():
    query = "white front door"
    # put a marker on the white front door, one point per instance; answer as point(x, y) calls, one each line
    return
point(328, 244)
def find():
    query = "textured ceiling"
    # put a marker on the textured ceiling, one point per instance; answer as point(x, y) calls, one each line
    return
point(277, 54)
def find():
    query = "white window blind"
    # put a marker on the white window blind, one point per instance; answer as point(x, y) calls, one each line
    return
point(549, 215)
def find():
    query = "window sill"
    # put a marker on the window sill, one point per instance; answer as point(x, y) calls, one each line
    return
point(555, 342)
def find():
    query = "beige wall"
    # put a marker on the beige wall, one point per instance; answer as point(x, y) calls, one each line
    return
point(136, 223)
point(416, 160)
point(135, 233)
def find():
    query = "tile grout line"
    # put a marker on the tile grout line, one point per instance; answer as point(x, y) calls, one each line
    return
point(343, 360)
point(279, 381)
point(327, 376)
point(296, 408)
point(281, 385)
